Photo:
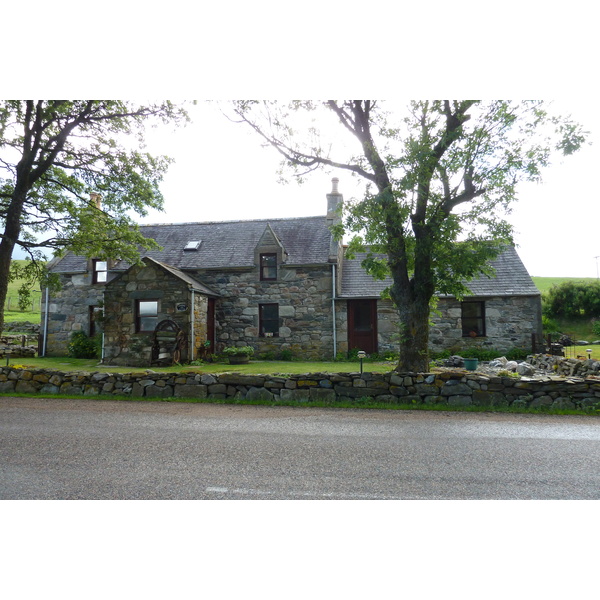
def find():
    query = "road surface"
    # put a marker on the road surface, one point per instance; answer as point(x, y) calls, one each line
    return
point(102, 449)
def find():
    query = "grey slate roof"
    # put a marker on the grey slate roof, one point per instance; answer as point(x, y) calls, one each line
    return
point(193, 283)
point(226, 244)
point(512, 279)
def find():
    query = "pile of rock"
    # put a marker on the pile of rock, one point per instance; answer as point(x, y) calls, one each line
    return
point(22, 327)
point(564, 367)
point(21, 345)
point(492, 367)
point(17, 351)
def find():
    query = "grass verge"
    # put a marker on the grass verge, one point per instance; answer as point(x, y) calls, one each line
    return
point(365, 403)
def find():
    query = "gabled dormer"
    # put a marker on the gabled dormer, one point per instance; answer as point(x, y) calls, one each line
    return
point(269, 254)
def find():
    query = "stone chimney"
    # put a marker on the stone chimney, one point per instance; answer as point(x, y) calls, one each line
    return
point(96, 199)
point(334, 217)
point(334, 203)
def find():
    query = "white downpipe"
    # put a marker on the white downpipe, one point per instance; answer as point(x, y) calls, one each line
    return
point(333, 310)
point(192, 340)
point(103, 314)
point(45, 345)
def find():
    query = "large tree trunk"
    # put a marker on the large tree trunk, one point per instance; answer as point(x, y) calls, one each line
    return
point(12, 231)
point(414, 338)
point(5, 258)
point(412, 299)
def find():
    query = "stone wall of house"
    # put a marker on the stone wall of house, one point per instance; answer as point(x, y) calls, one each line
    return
point(452, 388)
point(122, 345)
point(305, 312)
point(510, 321)
point(69, 310)
point(509, 324)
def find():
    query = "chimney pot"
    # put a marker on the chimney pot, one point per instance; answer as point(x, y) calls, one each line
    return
point(96, 199)
point(334, 183)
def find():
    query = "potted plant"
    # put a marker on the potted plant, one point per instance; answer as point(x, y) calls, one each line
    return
point(238, 355)
point(471, 364)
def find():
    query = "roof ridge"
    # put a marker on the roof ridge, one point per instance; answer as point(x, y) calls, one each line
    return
point(265, 220)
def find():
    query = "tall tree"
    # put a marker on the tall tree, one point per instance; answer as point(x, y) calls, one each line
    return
point(69, 173)
point(438, 175)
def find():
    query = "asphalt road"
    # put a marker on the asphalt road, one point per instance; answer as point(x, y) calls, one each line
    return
point(101, 449)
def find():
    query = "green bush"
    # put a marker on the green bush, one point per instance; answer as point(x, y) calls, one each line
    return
point(596, 327)
point(517, 354)
point(83, 346)
point(549, 325)
point(286, 355)
point(573, 299)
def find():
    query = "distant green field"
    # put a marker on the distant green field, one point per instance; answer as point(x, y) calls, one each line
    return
point(545, 283)
point(11, 307)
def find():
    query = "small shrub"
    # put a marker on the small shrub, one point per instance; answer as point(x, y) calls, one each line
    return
point(549, 325)
point(596, 327)
point(516, 354)
point(238, 350)
point(286, 355)
point(83, 346)
point(353, 354)
point(479, 353)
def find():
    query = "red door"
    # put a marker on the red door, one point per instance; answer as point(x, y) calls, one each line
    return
point(210, 325)
point(362, 325)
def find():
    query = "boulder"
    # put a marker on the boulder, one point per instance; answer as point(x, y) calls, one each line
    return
point(525, 369)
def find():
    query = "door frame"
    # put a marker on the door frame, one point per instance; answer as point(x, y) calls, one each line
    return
point(365, 339)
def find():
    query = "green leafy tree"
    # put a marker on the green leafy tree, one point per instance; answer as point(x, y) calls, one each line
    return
point(439, 175)
point(573, 299)
point(58, 157)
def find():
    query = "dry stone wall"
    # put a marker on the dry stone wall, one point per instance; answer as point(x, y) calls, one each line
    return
point(452, 388)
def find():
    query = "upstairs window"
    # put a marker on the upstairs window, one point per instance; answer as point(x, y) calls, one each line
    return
point(269, 320)
point(473, 319)
point(146, 315)
point(99, 271)
point(268, 267)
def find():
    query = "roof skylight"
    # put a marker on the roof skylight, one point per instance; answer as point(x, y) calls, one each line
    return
point(193, 245)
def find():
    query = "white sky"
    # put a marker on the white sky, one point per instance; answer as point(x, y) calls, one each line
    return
point(231, 50)
point(222, 172)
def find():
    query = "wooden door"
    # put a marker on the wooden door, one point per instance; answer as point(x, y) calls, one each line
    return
point(210, 325)
point(362, 325)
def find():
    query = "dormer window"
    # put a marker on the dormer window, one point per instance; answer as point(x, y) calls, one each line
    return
point(268, 267)
point(99, 271)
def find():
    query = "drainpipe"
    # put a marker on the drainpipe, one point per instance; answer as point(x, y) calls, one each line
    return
point(103, 314)
point(333, 310)
point(192, 341)
point(45, 345)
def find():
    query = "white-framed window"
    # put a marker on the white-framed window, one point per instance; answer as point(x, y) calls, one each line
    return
point(146, 315)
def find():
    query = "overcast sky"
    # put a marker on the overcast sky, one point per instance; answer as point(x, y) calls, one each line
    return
point(223, 173)
point(523, 50)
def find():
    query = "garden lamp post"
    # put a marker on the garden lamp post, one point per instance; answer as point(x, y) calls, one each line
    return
point(361, 355)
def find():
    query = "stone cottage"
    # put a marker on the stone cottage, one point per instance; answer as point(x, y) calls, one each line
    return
point(274, 284)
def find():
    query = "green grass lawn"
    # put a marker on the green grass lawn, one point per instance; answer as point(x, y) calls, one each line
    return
point(253, 367)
